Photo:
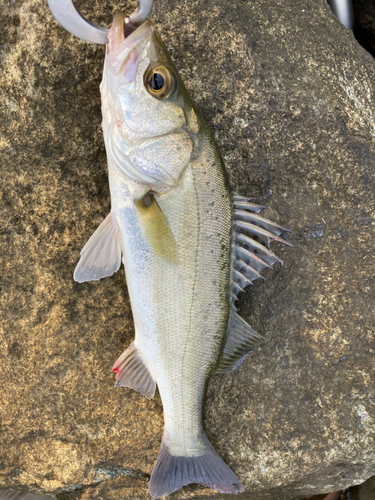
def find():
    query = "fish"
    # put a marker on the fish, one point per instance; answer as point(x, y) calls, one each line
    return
point(189, 246)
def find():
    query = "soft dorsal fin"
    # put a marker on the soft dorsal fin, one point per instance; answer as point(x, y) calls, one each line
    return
point(101, 256)
point(240, 342)
point(132, 372)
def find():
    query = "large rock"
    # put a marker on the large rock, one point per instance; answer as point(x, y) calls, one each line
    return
point(365, 491)
point(364, 28)
point(291, 96)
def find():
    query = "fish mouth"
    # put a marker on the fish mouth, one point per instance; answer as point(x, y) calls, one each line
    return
point(123, 52)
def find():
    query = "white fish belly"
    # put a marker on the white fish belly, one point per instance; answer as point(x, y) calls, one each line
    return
point(181, 308)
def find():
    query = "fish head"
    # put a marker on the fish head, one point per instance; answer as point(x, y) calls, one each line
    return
point(150, 124)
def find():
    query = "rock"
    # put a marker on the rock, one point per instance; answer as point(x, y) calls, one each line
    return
point(290, 95)
point(365, 491)
point(364, 28)
point(19, 495)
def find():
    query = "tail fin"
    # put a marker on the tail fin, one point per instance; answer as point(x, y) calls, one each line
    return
point(170, 473)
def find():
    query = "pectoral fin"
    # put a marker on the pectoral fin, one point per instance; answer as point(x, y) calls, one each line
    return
point(155, 228)
point(101, 256)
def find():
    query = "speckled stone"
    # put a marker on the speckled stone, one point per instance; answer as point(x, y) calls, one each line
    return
point(291, 97)
point(364, 27)
point(365, 491)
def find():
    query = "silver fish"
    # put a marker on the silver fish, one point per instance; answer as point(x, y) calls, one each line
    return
point(188, 244)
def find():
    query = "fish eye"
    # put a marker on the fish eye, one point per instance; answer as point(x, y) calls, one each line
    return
point(159, 82)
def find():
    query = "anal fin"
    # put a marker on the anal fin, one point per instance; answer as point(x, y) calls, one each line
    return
point(132, 372)
point(241, 341)
point(101, 256)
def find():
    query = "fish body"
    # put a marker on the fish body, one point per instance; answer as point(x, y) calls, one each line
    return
point(173, 219)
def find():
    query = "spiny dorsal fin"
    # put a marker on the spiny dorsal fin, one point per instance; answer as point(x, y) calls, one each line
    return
point(251, 254)
point(240, 342)
point(251, 244)
point(132, 372)
point(101, 256)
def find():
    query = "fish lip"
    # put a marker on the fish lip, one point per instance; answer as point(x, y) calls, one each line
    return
point(122, 54)
point(117, 40)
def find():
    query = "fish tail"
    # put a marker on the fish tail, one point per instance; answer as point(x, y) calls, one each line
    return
point(170, 472)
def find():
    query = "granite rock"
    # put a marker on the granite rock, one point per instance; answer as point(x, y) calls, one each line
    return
point(291, 96)
point(364, 27)
point(365, 491)
point(20, 495)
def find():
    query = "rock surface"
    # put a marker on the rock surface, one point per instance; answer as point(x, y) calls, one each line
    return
point(364, 28)
point(291, 96)
point(365, 491)
point(20, 495)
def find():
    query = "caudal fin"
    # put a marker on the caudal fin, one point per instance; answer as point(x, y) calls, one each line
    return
point(170, 473)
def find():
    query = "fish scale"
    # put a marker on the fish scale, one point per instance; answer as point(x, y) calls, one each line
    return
point(192, 342)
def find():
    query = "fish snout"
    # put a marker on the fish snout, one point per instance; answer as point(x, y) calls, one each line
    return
point(116, 34)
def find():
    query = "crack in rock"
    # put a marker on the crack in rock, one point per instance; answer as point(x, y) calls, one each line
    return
point(107, 473)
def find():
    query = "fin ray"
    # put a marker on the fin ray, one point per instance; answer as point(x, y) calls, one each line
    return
point(247, 205)
point(257, 249)
point(240, 279)
point(252, 236)
point(257, 220)
point(240, 197)
point(247, 270)
point(251, 259)
point(251, 243)
point(241, 341)
point(132, 372)
point(156, 229)
point(101, 256)
point(170, 473)
point(260, 232)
